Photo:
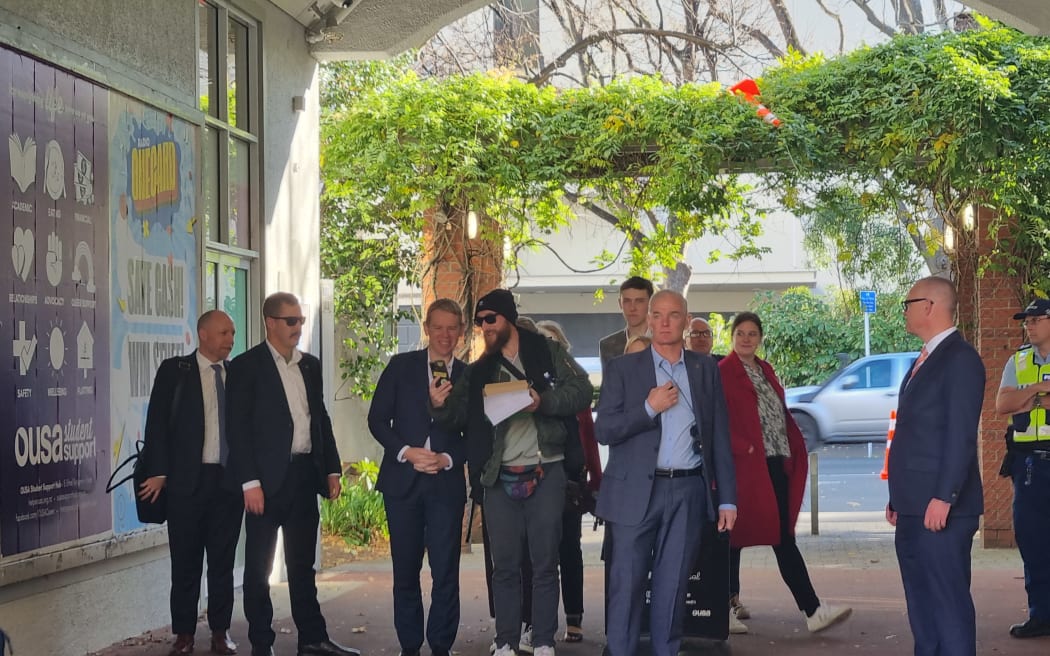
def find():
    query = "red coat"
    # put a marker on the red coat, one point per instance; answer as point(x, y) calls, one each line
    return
point(592, 458)
point(757, 520)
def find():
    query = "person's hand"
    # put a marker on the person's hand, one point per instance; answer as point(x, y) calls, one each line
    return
point(936, 515)
point(439, 391)
point(254, 500)
point(532, 407)
point(726, 520)
point(151, 487)
point(662, 397)
point(334, 487)
point(424, 460)
point(891, 515)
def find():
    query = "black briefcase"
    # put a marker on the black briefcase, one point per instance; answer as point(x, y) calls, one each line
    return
point(148, 513)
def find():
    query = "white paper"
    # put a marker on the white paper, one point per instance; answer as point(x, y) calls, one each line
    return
point(500, 406)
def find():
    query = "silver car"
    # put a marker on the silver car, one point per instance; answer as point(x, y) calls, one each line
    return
point(854, 404)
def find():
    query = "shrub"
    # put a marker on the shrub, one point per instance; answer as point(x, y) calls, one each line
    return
point(358, 515)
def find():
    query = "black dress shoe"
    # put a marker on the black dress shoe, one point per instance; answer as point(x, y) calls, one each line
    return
point(409, 652)
point(440, 652)
point(327, 648)
point(183, 645)
point(262, 651)
point(1032, 628)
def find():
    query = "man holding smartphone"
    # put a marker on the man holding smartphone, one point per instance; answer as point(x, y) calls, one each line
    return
point(422, 481)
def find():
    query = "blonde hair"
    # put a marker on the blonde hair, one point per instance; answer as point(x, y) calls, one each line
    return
point(644, 340)
point(554, 330)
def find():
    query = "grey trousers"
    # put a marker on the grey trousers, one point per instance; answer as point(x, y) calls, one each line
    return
point(537, 520)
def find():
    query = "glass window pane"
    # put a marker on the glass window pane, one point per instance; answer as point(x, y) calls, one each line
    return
point(237, 74)
point(207, 47)
point(240, 188)
point(211, 286)
point(235, 303)
point(210, 184)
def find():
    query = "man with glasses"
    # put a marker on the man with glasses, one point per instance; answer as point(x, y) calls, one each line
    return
point(936, 496)
point(663, 416)
point(1023, 394)
point(701, 339)
point(515, 466)
point(283, 450)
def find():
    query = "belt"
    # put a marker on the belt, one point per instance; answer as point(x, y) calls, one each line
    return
point(300, 457)
point(678, 473)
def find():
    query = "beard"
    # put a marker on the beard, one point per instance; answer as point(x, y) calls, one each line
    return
point(495, 341)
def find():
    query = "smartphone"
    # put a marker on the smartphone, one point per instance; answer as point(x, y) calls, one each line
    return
point(438, 372)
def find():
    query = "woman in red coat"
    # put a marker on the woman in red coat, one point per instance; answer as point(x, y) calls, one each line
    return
point(769, 452)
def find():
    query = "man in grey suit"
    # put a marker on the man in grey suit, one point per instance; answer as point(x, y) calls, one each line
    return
point(664, 419)
point(635, 293)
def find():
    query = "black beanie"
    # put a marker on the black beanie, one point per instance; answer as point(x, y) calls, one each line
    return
point(500, 301)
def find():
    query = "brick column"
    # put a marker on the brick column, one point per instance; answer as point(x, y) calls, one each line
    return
point(997, 298)
point(463, 269)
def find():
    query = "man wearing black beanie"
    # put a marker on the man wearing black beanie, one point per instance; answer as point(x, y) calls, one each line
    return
point(515, 466)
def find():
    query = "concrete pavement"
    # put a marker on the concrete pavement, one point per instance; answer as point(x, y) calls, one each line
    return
point(851, 562)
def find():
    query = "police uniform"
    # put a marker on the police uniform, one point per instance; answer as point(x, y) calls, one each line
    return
point(1029, 467)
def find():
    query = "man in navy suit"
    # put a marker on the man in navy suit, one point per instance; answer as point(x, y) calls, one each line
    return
point(283, 451)
point(186, 452)
point(423, 482)
point(936, 497)
point(663, 416)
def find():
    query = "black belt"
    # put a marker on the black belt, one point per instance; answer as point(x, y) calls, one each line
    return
point(678, 473)
point(301, 457)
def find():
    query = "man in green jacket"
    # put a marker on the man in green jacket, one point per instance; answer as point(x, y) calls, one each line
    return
point(515, 466)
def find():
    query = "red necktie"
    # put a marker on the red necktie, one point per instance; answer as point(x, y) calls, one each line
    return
point(923, 354)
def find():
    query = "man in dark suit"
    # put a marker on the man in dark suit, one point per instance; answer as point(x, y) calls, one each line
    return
point(186, 452)
point(701, 339)
point(635, 293)
point(663, 416)
point(936, 497)
point(422, 481)
point(283, 451)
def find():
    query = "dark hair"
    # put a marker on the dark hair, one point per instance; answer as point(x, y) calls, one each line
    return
point(638, 282)
point(744, 317)
point(444, 305)
point(272, 304)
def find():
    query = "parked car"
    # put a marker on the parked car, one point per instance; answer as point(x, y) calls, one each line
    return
point(854, 404)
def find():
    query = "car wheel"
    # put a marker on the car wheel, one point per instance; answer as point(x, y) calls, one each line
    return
point(809, 430)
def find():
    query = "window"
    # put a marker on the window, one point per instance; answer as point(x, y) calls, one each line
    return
point(875, 375)
point(228, 90)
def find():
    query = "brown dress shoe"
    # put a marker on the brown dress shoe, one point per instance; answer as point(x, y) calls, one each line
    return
point(183, 645)
point(222, 644)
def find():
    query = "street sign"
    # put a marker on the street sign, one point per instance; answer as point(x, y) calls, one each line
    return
point(867, 301)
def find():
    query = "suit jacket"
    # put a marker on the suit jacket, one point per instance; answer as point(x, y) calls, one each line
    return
point(611, 346)
point(934, 450)
point(174, 443)
point(758, 518)
point(399, 417)
point(259, 422)
point(634, 439)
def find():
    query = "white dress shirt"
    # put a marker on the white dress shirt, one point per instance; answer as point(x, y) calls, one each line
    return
point(295, 393)
point(210, 453)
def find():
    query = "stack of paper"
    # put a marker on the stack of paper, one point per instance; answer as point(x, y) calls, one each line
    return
point(504, 399)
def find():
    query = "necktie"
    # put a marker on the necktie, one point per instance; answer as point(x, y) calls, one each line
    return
point(923, 354)
point(220, 398)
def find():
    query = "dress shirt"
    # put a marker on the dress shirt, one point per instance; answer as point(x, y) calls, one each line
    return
point(295, 393)
point(676, 422)
point(210, 453)
point(936, 340)
point(430, 381)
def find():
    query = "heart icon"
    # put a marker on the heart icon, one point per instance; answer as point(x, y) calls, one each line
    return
point(22, 252)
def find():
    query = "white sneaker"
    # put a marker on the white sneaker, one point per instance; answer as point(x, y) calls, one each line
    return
point(505, 650)
point(492, 646)
point(827, 616)
point(525, 643)
point(742, 611)
point(544, 651)
point(736, 627)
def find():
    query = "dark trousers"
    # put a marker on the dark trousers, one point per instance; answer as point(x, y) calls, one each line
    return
point(665, 542)
point(789, 559)
point(292, 508)
point(935, 570)
point(208, 521)
point(425, 520)
point(1031, 476)
point(571, 564)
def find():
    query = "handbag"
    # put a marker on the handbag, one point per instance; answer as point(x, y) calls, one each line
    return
point(148, 513)
point(520, 481)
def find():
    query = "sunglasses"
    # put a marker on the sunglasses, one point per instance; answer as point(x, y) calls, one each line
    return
point(291, 322)
point(488, 318)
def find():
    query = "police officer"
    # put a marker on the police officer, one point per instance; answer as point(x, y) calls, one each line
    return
point(1023, 394)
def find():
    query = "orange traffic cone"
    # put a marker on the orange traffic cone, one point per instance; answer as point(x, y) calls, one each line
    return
point(885, 474)
point(748, 90)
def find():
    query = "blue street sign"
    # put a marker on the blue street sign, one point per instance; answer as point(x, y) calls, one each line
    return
point(867, 301)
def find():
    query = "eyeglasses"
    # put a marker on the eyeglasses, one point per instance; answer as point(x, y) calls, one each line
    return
point(699, 333)
point(905, 304)
point(291, 322)
point(488, 318)
point(1031, 321)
